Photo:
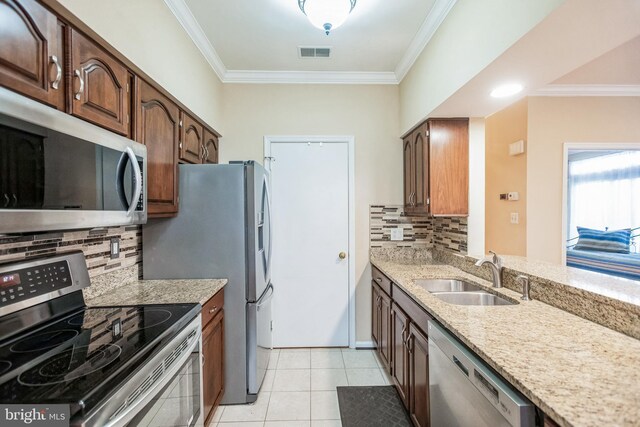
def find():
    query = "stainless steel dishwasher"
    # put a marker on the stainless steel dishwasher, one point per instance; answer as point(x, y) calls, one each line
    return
point(464, 392)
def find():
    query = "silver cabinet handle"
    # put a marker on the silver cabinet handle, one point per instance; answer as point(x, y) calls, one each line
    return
point(54, 60)
point(203, 151)
point(206, 153)
point(378, 279)
point(81, 88)
point(15, 200)
point(7, 200)
point(213, 309)
point(180, 145)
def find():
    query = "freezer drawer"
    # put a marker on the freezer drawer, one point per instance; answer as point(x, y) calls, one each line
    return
point(259, 341)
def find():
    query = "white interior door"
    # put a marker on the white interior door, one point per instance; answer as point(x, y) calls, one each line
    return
point(310, 189)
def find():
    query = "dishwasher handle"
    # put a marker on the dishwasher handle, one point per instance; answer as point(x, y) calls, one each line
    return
point(460, 365)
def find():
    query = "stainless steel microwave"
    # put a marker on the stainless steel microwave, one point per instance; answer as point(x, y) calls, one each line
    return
point(58, 172)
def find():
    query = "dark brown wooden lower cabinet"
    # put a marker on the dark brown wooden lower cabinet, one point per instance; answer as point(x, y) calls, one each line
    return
point(399, 354)
point(213, 364)
point(418, 377)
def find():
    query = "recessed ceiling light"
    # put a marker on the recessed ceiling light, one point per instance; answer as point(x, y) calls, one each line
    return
point(505, 90)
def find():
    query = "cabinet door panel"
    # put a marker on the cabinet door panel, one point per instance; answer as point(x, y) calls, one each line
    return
point(100, 86)
point(30, 50)
point(399, 354)
point(213, 365)
point(418, 377)
point(385, 329)
point(449, 163)
point(192, 140)
point(210, 148)
point(158, 128)
point(375, 314)
point(409, 175)
point(421, 161)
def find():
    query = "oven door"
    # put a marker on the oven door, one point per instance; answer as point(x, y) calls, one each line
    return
point(179, 402)
point(58, 172)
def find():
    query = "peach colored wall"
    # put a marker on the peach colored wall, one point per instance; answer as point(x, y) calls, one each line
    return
point(505, 173)
point(552, 122)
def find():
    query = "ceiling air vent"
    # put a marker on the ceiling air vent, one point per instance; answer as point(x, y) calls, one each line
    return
point(314, 52)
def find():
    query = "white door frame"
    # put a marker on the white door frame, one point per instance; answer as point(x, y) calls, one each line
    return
point(350, 141)
point(567, 146)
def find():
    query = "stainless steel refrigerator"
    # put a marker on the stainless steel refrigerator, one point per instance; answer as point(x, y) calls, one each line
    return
point(223, 230)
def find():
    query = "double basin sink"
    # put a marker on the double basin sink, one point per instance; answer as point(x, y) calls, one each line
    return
point(459, 292)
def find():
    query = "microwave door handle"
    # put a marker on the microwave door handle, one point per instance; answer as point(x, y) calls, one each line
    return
point(138, 181)
point(120, 171)
point(127, 156)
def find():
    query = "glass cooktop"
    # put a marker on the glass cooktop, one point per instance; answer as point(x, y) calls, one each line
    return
point(78, 359)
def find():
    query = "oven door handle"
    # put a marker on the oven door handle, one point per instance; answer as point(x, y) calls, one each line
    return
point(129, 156)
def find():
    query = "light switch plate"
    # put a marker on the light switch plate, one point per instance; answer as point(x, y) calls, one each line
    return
point(515, 218)
point(397, 233)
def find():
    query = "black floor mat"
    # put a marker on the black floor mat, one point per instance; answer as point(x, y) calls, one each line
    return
point(371, 406)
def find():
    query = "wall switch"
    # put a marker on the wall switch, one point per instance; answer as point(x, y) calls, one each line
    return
point(515, 218)
point(516, 148)
point(115, 248)
point(513, 196)
point(397, 233)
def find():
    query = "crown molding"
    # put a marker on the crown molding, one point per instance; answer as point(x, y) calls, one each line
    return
point(310, 77)
point(588, 90)
point(436, 16)
point(184, 16)
point(431, 23)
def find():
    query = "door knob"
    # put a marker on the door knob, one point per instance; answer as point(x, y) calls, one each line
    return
point(342, 255)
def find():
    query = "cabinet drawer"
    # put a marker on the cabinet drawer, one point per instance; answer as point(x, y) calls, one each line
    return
point(416, 313)
point(381, 280)
point(212, 307)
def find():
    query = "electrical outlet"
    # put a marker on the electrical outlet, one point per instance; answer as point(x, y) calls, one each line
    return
point(115, 248)
point(515, 218)
point(397, 233)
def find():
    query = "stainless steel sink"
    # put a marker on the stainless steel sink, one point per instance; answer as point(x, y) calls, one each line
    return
point(447, 285)
point(471, 298)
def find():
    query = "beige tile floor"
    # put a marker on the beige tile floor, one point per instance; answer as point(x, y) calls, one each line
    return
point(299, 389)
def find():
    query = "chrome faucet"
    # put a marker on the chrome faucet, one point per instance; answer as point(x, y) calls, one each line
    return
point(495, 264)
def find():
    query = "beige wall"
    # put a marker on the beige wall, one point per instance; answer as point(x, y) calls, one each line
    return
point(370, 113)
point(506, 173)
point(552, 122)
point(471, 37)
point(147, 33)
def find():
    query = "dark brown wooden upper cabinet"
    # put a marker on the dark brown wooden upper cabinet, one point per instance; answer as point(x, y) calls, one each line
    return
point(100, 86)
point(436, 168)
point(191, 140)
point(31, 52)
point(158, 127)
point(210, 148)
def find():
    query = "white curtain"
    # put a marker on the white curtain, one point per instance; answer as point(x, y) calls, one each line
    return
point(604, 191)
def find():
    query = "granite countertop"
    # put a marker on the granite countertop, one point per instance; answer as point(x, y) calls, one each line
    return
point(576, 371)
point(143, 292)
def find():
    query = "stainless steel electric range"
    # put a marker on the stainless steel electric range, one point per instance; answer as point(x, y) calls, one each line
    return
point(113, 366)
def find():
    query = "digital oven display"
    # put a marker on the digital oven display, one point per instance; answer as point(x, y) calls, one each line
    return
point(10, 280)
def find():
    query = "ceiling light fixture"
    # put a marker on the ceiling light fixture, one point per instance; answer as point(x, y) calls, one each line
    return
point(327, 14)
point(506, 90)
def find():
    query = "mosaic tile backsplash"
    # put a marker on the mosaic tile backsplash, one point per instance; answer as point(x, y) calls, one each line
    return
point(95, 244)
point(419, 232)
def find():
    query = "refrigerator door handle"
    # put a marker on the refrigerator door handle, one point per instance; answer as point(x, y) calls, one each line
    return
point(268, 206)
point(266, 296)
